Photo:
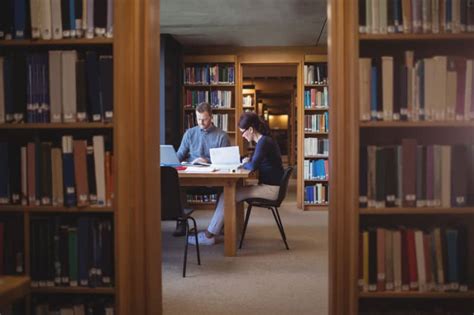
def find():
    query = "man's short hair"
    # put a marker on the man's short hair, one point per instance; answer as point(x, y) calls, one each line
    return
point(204, 107)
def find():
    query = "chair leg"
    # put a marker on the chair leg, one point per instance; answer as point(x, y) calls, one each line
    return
point(185, 249)
point(276, 215)
point(196, 237)
point(247, 216)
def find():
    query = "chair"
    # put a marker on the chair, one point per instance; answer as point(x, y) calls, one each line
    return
point(172, 209)
point(270, 204)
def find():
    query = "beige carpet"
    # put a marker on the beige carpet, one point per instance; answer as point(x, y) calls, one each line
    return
point(264, 278)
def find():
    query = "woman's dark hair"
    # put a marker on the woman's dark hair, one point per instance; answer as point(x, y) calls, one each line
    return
point(251, 119)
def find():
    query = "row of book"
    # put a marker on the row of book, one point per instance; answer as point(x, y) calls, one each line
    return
point(58, 86)
point(78, 305)
point(317, 194)
point(217, 99)
point(221, 121)
point(247, 101)
point(316, 169)
point(316, 147)
point(314, 98)
point(411, 175)
point(56, 19)
point(208, 74)
point(415, 16)
point(437, 88)
point(316, 73)
point(316, 122)
point(201, 198)
point(11, 245)
point(408, 259)
point(80, 173)
point(417, 311)
point(75, 253)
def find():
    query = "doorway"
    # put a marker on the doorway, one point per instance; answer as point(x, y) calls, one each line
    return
point(271, 91)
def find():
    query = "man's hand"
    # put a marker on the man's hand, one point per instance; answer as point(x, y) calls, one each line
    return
point(200, 160)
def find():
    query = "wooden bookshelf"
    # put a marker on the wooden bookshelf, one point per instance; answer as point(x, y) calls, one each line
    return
point(36, 126)
point(221, 60)
point(416, 295)
point(58, 42)
point(303, 110)
point(350, 134)
point(54, 209)
point(73, 290)
point(417, 37)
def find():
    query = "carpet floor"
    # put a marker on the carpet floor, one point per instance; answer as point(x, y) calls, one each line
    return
point(264, 278)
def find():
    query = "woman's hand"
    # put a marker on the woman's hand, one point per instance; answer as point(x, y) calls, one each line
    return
point(245, 159)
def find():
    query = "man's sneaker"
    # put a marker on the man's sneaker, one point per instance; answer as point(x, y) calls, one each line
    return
point(202, 239)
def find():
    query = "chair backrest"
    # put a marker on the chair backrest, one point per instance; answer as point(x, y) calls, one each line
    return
point(171, 207)
point(284, 184)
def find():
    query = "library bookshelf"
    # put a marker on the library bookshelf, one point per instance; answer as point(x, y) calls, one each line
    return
point(313, 187)
point(26, 132)
point(354, 214)
point(212, 79)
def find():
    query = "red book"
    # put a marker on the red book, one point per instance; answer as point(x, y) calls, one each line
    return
point(412, 267)
point(405, 273)
point(428, 263)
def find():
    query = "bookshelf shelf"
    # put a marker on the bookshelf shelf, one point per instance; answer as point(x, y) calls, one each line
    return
point(209, 85)
point(58, 42)
point(19, 208)
point(74, 290)
point(316, 181)
point(191, 109)
point(35, 126)
point(425, 210)
point(323, 109)
point(417, 124)
point(316, 133)
point(315, 85)
point(312, 207)
point(316, 157)
point(416, 295)
point(417, 37)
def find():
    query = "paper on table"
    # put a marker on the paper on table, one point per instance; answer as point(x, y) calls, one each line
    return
point(200, 169)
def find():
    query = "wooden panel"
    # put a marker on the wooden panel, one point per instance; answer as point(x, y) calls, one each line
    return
point(13, 288)
point(343, 219)
point(315, 58)
point(302, 50)
point(210, 59)
point(137, 202)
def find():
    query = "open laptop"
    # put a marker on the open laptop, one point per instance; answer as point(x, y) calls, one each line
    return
point(168, 156)
point(225, 158)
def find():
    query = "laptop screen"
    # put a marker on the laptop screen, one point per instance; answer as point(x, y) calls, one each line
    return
point(168, 155)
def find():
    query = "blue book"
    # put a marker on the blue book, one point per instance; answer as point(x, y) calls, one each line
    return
point(30, 117)
point(373, 93)
point(72, 17)
point(92, 74)
point(19, 8)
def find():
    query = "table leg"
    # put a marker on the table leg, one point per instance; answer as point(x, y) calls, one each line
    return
point(230, 219)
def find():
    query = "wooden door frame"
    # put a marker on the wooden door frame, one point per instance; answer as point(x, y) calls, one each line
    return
point(136, 149)
point(277, 58)
point(344, 168)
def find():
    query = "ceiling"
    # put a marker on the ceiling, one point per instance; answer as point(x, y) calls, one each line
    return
point(244, 22)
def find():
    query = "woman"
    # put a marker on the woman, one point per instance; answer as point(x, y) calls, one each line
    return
point(266, 159)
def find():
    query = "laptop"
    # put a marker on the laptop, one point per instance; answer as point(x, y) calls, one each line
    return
point(225, 158)
point(168, 156)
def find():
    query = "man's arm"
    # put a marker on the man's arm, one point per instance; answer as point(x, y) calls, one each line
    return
point(183, 150)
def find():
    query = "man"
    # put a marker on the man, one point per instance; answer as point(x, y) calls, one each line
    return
point(198, 140)
point(196, 143)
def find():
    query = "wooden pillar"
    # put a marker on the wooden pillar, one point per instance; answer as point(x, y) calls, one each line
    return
point(343, 218)
point(136, 132)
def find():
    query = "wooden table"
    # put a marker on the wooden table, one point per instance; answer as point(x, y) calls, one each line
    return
point(13, 288)
point(233, 213)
